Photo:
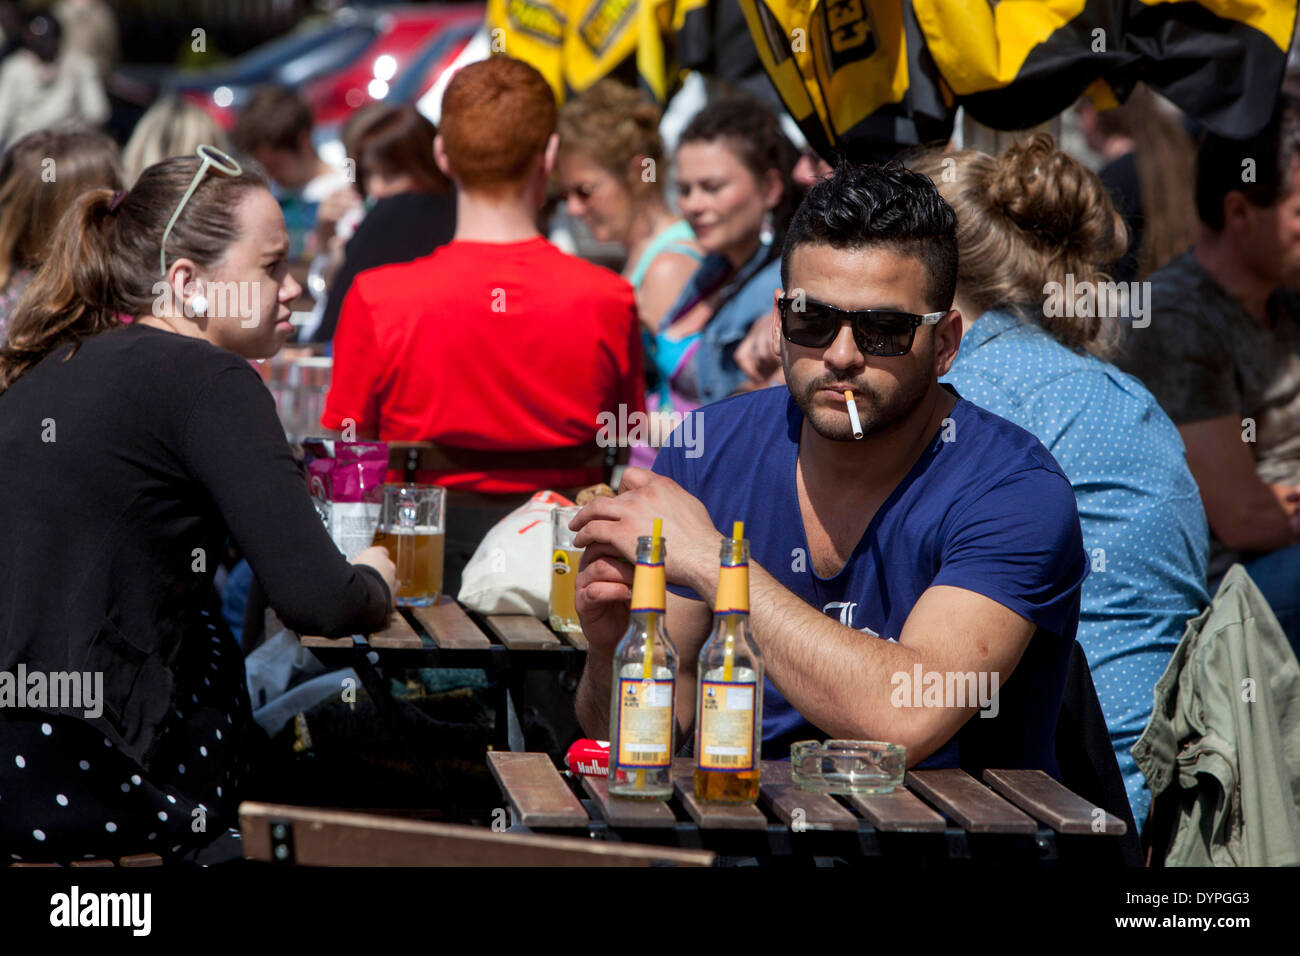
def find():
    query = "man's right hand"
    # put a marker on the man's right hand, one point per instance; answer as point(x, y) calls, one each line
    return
point(603, 596)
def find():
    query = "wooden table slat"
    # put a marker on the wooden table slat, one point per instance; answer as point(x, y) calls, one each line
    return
point(712, 816)
point(398, 634)
point(522, 632)
point(816, 811)
point(576, 639)
point(1037, 793)
point(536, 790)
point(449, 626)
point(898, 811)
point(654, 814)
point(308, 640)
point(977, 808)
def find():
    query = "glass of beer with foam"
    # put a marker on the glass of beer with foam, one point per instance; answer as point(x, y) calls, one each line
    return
point(412, 528)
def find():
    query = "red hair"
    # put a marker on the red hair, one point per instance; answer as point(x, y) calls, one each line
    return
point(497, 115)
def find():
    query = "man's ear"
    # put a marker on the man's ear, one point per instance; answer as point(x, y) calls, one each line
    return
point(776, 321)
point(1236, 210)
point(440, 157)
point(947, 340)
point(549, 153)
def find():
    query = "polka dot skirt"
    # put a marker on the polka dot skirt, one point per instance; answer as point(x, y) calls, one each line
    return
point(67, 793)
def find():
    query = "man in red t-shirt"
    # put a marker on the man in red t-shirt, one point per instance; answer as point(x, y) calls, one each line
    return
point(497, 341)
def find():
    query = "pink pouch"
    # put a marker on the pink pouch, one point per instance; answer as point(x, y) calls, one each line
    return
point(346, 480)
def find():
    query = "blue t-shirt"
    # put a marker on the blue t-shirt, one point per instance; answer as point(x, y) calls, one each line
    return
point(1143, 523)
point(984, 508)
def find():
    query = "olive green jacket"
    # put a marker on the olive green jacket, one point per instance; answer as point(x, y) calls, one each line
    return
point(1224, 738)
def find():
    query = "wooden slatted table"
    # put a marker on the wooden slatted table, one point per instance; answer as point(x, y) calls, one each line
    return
point(444, 635)
point(1018, 816)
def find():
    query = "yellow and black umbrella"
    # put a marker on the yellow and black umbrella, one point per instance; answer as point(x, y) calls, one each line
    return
point(860, 74)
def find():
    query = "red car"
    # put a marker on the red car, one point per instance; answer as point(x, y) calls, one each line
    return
point(383, 70)
point(343, 64)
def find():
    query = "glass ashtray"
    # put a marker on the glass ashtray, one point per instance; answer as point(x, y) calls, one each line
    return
point(847, 766)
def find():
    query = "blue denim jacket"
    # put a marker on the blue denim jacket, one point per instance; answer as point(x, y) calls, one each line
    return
point(747, 297)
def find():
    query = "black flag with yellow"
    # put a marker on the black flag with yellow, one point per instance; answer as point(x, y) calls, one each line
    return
point(860, 75)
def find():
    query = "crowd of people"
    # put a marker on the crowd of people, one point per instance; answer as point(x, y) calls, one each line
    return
point(1028, 477)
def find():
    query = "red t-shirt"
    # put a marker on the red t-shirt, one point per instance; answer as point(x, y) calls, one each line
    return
point(498, 346)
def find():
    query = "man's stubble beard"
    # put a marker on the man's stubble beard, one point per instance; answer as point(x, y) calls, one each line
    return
point(876, 413)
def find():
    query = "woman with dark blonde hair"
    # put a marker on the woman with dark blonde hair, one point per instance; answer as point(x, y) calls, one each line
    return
point(40, 175)
point(1034, 230)
point(132, 454)
point(610, 173)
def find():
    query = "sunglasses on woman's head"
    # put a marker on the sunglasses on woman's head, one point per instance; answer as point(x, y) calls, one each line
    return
point(886, 333)
point(213, 158)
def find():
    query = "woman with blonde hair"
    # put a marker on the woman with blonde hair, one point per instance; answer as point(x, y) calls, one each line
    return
point(171, 127)
point(609, 168)
point(40, 175)
point(1034, 228)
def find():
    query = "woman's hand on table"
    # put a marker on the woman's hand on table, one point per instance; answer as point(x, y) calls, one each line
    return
point(377, 557)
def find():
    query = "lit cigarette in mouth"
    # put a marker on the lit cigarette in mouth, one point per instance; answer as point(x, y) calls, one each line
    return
point(853, 414)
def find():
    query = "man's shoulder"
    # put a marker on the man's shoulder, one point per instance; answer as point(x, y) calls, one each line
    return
point(726, 430)
point(397, 281)
point(582, 278)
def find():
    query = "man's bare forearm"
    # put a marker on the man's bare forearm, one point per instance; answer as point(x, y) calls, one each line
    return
point(836, 677)
point(1261, 522)
point(592, 699)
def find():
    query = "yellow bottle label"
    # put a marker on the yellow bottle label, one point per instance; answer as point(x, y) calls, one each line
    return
point(560, 563)
point(726, 726)
point(648, 586)
point(644, 736)
point(733, 589)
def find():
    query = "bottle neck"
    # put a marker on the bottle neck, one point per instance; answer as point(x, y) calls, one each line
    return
point(733, 589)
point(649, 587)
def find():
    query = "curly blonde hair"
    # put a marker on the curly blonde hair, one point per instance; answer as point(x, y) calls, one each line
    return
point(1030, 216)
point(612, 124)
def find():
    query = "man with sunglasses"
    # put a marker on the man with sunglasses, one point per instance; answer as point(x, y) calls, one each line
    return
point(898, 581)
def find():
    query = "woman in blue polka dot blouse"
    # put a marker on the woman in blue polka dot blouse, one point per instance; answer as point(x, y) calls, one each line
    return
point(1034, 231)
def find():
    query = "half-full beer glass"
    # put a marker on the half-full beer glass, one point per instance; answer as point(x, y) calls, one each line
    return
point(411, 527)
point(564, 569)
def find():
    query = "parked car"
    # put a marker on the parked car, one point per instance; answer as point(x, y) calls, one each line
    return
point(338, 62)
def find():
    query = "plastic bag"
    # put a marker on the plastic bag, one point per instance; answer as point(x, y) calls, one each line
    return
point(510, 572)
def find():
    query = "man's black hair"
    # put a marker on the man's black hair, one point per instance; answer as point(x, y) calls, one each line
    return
point(1222, 164)
point(886, 205)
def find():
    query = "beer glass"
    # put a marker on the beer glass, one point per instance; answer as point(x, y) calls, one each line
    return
point(412, 529)
point(564, 570)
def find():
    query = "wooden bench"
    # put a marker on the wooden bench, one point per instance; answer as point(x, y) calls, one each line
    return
point(281, 834)
point(138, 859)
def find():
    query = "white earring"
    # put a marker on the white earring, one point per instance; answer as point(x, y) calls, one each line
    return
point(199, 304)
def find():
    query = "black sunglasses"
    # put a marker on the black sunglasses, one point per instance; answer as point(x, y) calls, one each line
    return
point(881, 332)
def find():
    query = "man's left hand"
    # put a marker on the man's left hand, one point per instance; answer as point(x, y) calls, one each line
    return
point(691, 538)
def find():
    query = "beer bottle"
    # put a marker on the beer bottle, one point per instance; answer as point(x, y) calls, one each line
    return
point(729, 700)
point(644, 694)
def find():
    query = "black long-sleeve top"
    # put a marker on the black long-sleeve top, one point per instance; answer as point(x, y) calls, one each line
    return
point(123, 470)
